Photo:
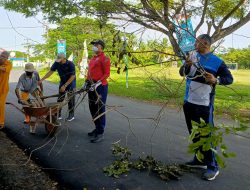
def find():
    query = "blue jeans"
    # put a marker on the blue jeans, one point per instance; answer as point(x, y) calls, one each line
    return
point(97, 107)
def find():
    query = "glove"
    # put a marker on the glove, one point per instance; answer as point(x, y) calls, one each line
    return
point(20, 101)
point(86, 85)
point(98, 83)
point(95, 85)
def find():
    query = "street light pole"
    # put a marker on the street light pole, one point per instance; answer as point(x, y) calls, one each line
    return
point(28, 50)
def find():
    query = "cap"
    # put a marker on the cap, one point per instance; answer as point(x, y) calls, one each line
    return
point(60, 56)
point(206, 37)
point(29, 67)
point(98, 42)
point(4, 55)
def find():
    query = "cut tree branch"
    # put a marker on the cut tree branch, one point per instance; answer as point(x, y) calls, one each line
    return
point(202, 17)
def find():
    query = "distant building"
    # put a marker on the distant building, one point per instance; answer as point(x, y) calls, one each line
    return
point(232, 66)
point(18, 62)
point(221, 50)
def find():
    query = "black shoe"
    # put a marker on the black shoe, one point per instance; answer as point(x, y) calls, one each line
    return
point(92, 133)
point(97, 138)
point(26, 122)
point(195, 163)
point(59, 116)
point(70, 118)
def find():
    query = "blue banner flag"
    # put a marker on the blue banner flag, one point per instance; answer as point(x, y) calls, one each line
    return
point(185, 33)
point(61, 46)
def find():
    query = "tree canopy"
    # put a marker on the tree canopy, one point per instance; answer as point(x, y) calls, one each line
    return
point(76, 30)
point(158, 15)
point(239, 56)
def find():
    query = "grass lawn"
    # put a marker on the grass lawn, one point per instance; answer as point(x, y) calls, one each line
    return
point(160, 84)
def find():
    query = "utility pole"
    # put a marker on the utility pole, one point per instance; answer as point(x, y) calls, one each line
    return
point(28, 50)
point(15, 42)
point(46, 30)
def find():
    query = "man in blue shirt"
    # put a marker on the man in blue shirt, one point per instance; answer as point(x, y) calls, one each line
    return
point(66, 71)
point(203, 71)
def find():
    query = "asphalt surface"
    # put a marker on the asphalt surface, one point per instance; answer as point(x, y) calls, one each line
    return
point(77, 163)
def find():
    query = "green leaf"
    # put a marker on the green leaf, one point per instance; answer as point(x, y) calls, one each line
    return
point(206, 146)
point(200, 156)
point(231, 154)
point(192, 135)
point(223, 147)
point(116, 176)
point(220, 161)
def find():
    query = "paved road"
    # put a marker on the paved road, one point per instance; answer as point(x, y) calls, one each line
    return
point(78, 163)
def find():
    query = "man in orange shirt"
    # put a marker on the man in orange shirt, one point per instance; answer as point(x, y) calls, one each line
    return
point(5, 68)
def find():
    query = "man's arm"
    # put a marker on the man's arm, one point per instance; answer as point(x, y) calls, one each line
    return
point(17, 90)
point(63, 87)
point(38, 79)
point(72, 71)
point(187, 69)
point(72, 77)
point(106, 69)
point(184, 70)
point(17, 93)
point(48, 74)
point(224, 74)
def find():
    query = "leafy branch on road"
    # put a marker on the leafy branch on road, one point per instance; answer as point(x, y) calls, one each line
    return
point(207, 137)
point(124, 164)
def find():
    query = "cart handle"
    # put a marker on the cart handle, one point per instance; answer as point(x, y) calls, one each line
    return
point(52, 96)
point(21, 110)
point(57, 95)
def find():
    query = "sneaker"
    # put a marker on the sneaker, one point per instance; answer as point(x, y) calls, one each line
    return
point(196, 164)
point(26, 122)
point(210, 174)
point(97, 138)
point(92, 133)
point(59, 115)
point(70, 118)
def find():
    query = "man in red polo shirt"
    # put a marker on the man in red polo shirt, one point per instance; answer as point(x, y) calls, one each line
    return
point(98, 72)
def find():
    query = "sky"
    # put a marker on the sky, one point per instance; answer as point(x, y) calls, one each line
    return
point(11, 40)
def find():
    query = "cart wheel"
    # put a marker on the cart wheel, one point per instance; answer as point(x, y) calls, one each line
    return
point(51, 128)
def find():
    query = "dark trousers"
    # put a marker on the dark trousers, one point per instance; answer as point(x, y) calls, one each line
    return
point(97, 106)
point(195, 113)
point(71, 103)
